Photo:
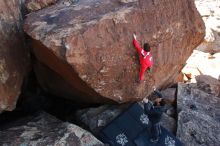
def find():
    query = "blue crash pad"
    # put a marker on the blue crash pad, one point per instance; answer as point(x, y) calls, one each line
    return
point(166, 139)
point(131, 128)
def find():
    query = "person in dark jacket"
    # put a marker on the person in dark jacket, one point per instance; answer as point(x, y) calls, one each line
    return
point(154, 110)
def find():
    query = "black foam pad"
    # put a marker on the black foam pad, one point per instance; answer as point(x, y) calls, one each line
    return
point(116, 136)
point(137, 112)
point(165, 139)
point(128, 124)
point(131, 128)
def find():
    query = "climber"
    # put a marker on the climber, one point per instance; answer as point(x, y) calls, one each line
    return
point(154, 110)
point(145, 57)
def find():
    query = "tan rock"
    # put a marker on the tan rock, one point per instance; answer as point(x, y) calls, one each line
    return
point(34, 5)
point(211, 66)
point(200, 63)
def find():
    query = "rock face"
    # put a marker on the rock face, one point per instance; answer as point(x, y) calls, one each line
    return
point(45, 129)
point(13, 55)
point(88, 46)
point(198, 117)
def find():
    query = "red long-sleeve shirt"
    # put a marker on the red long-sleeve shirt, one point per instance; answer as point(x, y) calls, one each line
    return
point(144, 57)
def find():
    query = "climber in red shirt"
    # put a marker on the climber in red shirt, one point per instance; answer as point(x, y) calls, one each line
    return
point(145, 57)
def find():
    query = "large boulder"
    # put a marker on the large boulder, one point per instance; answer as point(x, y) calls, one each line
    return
point(198, 116)
point(13, 55)
point(87, 47)
point(44, 129)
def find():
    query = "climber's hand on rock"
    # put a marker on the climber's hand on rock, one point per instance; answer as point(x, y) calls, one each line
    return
point(145, 100)
point(134, 36)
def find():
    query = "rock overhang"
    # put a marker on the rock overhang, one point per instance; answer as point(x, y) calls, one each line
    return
point(93, 38)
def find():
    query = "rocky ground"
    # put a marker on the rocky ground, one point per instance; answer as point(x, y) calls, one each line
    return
point(44, 129)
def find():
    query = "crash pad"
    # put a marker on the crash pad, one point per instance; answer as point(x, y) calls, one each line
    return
point(166, 139)
point(132, 128)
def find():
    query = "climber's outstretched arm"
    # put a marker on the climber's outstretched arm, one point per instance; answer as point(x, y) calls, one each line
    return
point(137, 46)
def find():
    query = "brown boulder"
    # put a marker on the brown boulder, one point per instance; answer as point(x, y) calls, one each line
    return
point(88, 45)
point(13, 55)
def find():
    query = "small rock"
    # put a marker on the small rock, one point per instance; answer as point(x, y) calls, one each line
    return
point(127, 1)
point(67, 2)
point(179, 78)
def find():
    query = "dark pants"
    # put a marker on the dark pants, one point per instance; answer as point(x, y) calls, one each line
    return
point(155, 131)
